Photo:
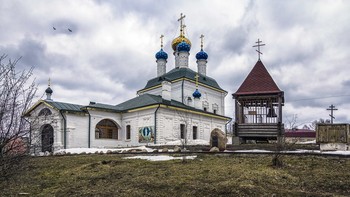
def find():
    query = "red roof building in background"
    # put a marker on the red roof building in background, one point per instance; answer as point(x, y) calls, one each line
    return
point(300, 133)
point(258, 106)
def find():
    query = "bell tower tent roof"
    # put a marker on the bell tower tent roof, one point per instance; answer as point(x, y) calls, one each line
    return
point(258, 81)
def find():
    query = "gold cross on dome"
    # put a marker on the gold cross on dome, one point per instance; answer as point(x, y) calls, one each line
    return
point(196, 77)
point(202, 37)
point(259, 45)
point(161, 40)
point(182, 16)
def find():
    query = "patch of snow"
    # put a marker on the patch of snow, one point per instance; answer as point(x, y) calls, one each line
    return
point(252, 151)
point(189, 142)
point(104, 150)
point(160, 157)
point(229, 140)
point(295, 151)
point(307, 142)
point(338, 152)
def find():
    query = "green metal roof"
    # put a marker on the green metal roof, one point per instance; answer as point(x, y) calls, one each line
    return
point(137, 102)
point(65, 106)
point(102, 106)
point(144, 101)
point(140, 101)
point(178, 73)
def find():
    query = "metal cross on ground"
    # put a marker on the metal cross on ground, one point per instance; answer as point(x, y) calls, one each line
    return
point(332, 108)
point(259, 45)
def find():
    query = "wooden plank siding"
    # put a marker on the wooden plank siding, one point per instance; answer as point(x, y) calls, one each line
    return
point(259, 130)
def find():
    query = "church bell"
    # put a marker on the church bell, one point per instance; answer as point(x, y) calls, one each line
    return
point(271, 113)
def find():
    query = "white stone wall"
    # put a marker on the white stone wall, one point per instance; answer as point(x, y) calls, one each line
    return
point(96, 117)
point(137, 120)
point(168, 125)
point(77, 130)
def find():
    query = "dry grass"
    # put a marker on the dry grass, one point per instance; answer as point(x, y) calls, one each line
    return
point(208, 175)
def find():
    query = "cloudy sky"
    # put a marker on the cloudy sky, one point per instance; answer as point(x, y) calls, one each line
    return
point(109, 54)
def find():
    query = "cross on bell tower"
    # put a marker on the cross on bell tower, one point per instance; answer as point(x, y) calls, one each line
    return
point(259, 45)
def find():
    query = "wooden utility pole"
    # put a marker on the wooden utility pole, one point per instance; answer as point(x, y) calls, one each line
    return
point(332, 108)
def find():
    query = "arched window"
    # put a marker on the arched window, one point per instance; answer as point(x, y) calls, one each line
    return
point(106, 129)
point(128, 132)
point(45, 112)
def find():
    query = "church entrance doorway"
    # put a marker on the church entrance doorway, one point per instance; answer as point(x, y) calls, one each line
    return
point(214, 141)
point(46, 138)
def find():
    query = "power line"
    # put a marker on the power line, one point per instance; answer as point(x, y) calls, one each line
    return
point(335, 96)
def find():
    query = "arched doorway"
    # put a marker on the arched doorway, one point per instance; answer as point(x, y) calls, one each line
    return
point(46, 138)
point(106, 129)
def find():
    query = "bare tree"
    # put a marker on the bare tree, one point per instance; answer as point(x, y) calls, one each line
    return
point(321, 120)
point(16, 95)
point(292, 122)
point(282, 145)
point(185, 120)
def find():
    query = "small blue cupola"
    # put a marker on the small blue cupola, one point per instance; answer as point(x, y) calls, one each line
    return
point(48, 91)
point(201, 55)
point(161, 55)
point(196, 94)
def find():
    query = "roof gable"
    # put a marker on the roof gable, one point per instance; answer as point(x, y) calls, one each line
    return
point(56, 105)
point(65, 106)
point(258, 81)
point(178, 73)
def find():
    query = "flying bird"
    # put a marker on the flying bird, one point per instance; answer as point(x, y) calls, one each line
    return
point(70, 30)
point(54, 28)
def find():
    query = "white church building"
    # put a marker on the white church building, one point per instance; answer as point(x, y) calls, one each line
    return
point(178, 104)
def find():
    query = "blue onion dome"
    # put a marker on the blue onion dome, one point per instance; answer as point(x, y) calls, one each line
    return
point(196, 94)
point(161, 55)
point(183, 46)
point(48, 90)
point(201, 55)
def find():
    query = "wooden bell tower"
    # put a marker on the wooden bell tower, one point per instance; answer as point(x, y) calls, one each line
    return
point(258, 106)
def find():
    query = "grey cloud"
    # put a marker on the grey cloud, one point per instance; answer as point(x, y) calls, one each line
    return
point(33, 54)
point(126, 69)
